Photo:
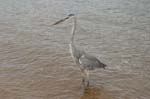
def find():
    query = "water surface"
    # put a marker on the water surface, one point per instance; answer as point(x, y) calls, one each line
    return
point(35, 62)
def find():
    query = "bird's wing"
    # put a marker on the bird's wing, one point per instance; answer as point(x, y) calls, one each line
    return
point(90, 62)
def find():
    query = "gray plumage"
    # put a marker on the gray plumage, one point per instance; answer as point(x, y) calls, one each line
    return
point(90, 62)
point(85, 61)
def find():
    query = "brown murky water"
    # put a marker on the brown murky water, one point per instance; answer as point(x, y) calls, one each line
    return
point(34, 58)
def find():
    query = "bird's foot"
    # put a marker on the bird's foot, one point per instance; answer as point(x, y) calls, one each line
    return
point(85, 83)
point(88, 84)
point(83, 80)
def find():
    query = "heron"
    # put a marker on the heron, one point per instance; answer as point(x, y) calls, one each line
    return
point(85, 61)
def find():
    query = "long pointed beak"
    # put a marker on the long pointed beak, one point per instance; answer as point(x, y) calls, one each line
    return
point(60, 21)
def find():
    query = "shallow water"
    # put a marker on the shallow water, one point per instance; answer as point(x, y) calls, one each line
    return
point(35, 62)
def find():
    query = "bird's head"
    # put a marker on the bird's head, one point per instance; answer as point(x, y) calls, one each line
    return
point(71, 15)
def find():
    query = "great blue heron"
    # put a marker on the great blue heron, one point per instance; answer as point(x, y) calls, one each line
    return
point(85, 61)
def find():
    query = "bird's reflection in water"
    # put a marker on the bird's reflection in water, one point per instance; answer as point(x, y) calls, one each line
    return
point(95, 93)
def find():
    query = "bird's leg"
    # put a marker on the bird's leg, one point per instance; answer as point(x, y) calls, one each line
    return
point(83, 76)
point(87, 77)
point(83, 80)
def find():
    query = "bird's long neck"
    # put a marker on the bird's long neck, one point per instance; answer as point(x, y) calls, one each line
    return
point(72, 45)
point(73, 30)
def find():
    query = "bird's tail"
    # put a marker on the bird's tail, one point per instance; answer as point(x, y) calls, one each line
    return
point(104, 65)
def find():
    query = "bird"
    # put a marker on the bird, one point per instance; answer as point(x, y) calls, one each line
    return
point(85, 61)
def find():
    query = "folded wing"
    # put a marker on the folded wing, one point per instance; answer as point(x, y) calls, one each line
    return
point(90, 62)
